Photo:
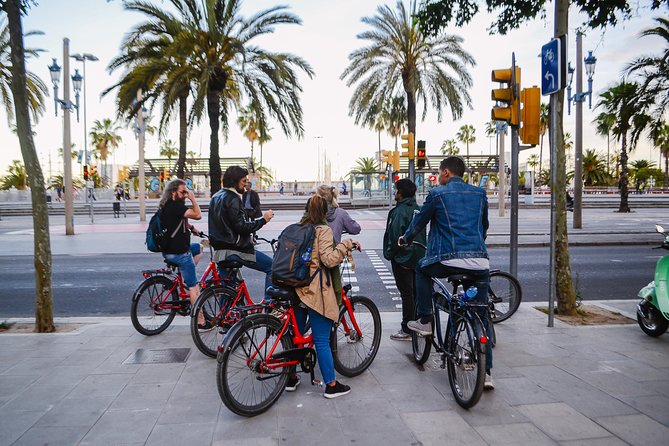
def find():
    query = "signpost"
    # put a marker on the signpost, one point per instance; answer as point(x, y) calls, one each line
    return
point(553, 62)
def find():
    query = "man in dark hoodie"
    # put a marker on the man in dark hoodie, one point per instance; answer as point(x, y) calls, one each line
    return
point(403, 259)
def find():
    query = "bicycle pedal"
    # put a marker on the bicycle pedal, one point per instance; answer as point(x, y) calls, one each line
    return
point(318, 383)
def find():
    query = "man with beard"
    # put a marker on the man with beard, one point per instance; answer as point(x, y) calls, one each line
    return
point(231, 231)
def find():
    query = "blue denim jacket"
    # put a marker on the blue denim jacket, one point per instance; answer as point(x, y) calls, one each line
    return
point(458, 217)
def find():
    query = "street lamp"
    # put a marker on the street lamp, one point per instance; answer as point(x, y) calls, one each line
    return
point(139, 127)
point(83, 58)
point(66, 105)
point(579, 98)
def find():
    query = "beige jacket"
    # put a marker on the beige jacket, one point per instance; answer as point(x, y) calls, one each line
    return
point(320, 296)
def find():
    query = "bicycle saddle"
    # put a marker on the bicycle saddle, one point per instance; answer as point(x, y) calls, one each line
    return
point(229, 264)
point(171, 264)
point(281, 294)
point(459, 278)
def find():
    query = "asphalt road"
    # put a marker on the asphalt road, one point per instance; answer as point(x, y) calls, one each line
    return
point(102, 285)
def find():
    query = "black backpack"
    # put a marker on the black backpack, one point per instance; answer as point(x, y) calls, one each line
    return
point(156, 234)
point(292, 259)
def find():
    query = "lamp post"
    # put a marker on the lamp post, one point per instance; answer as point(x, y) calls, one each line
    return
point(139, 128)
point(83, 58)
point(66, 105)
point(579, 98)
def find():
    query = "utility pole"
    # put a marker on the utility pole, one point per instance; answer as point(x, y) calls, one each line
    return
point(501, 134)
point(140, 164)
point(67, 141)
point(578, 137)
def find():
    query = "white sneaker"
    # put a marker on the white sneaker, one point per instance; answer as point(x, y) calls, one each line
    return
point(488, 384)
point(400, 336)
point(420, 328)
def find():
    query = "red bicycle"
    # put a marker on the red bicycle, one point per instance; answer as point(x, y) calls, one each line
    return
point(162, 295)
point(260, 350)
point(216, 302)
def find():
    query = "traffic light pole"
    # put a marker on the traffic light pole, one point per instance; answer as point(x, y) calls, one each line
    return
point(412, 170)
point(513, 254)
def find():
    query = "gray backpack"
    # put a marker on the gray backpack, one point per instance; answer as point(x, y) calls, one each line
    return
point(292, 259)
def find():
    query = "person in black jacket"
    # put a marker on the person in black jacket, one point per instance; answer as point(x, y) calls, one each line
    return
point(231, 231)
point(251, 202)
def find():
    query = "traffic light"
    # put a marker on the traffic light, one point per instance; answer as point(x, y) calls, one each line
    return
point(509, 95)
point(92, 171)
point(392, 157)
point(421, 156)
point(162, 176)
point(529, 115)
point(396, 160)
point(166, 174)
point(387, 157)
point(409, 145)
point(85, 172)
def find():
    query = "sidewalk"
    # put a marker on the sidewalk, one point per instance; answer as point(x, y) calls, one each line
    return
point(603, 385)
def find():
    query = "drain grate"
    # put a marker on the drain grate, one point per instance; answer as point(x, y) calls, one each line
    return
point(162, 356)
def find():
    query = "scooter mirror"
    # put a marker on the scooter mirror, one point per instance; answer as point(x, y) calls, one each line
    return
point(659, 229)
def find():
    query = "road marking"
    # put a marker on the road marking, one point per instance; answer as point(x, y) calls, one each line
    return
point(616, 260)
point(388, 281)
point(391, 287)
point(398, 305)
point(396, 298)
point(355, 289)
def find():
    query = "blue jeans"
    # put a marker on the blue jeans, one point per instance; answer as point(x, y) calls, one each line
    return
point(424, 292)
point(263, 264)
point(320, 328)
point(186, 263)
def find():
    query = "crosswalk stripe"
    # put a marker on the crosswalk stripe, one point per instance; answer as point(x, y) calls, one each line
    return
point(391, 287)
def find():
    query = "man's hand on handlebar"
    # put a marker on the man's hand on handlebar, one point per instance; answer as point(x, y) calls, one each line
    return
point(268, 215)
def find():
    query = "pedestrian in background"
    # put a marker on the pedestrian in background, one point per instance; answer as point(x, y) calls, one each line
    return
point(338, 219)
point(403, 259)
point(251, 201)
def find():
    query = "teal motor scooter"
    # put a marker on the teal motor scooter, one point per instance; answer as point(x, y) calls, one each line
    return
point(653, 311)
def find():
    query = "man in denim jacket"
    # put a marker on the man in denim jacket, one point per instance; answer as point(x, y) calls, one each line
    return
point(458, 217)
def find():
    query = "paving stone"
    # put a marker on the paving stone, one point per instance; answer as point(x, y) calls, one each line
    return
point(518, 391)
point(158, 373)
point(38, 397)
point(143, 396)
point(101, 385)
point(514, 434)
point(34, 366)
point(65, 375)
point(122, 426)
point(191, 434)
point(638, 429)
point(10, 385)
point(14, 423)
point(254, 441)
point(203, 408)
point(52, 436)
point(606, 441)
point(655, 406)
point(76, 412)
point(562, 422)
point(439, 428)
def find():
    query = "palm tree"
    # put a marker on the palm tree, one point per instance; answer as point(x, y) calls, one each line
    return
point(226, 65)
point(603, 125)
point(104, 136)
point(466, 135)
point(533, 162)
point(490, 132)
point(366, 166)
point(594, 169)
point(19, 80)
point(156, 71)
point(568, 144)
point(402, 60)
point(659, 135)
point(653, 71)
point(169, 150)
point(16, 177)
point(249, 126)
point(395, 117)
point(544, 124)
point(623, 101)
point(36, 89)
point(449, 147)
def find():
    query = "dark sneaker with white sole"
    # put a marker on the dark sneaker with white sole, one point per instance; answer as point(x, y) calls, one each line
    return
point(338, 389)
point(292, 383)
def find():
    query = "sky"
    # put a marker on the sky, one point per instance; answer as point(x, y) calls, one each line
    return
point(325, 39)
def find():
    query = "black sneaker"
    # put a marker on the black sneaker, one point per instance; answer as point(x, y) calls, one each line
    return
point(292, 383)
point(338, 389)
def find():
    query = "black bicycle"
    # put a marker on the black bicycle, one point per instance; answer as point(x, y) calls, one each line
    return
point(459, 336)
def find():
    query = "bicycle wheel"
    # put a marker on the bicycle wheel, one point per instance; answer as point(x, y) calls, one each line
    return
point(353, 352)
point(147, 313)
point(504, 296)
point(246, 386)
point(214, 304)
point(466, 362)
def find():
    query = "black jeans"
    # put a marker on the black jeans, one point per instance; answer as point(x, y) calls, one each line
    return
point(405, 279)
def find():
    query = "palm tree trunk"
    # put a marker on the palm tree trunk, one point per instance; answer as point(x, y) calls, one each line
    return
point(42, 242)
point(666, 171)
point(214, 112)
point(183, 134)
point(566, 295)
point(541, 154)
point(624, 190)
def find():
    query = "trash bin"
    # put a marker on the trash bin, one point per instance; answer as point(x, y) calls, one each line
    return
point(116, 206)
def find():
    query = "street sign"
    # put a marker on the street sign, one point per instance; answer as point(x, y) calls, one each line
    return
point(553, 61)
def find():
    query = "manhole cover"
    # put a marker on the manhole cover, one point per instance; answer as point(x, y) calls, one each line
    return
point(162, 356)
